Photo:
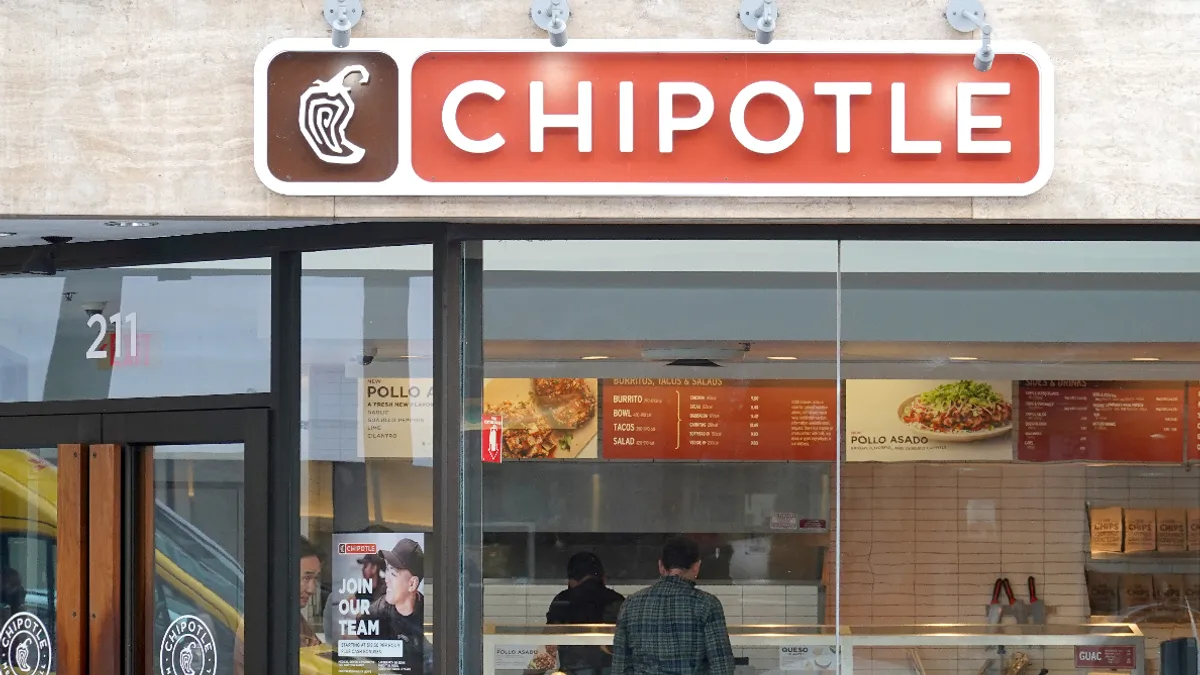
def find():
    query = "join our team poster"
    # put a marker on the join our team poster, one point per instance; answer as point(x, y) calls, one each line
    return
point(377, 607)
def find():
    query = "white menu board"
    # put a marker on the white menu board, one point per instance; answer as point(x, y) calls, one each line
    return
point(929, 420)
point(395, 417)
point(514, 657)
point(807, 657)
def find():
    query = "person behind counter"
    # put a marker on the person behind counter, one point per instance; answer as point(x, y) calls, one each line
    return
point(310, 575)
point(586, 600)
point(673, 627)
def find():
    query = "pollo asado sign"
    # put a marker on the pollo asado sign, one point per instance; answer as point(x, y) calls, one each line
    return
point(652, 118)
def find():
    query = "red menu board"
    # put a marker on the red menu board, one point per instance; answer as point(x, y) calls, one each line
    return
point(1193, 426)
point(1107, 657)
point(718, 419)
point(1113, 421)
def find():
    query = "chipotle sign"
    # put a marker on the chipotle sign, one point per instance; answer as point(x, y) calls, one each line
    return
point(652, 117)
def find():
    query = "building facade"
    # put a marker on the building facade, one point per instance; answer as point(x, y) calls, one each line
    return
point(380, 335)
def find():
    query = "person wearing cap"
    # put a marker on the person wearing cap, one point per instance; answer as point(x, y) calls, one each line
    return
point(372, 567)
point(401, 610)
point(587, 600)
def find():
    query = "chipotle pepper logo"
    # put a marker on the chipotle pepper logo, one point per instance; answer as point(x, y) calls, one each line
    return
point(326, 109)
point(332, 116)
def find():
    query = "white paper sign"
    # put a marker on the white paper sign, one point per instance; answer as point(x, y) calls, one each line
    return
point(929, 420)
point(395, 417)
point(807, 657)
point(785, 521)
point(371, 649)
point(514, 658)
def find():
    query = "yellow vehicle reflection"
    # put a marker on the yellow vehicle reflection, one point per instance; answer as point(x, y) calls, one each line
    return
point(193, 575)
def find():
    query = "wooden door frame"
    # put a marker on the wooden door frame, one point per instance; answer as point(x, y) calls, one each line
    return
point(71, 575)
point(105, 551)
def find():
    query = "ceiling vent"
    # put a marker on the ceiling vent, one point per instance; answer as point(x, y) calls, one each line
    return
point(702, 357)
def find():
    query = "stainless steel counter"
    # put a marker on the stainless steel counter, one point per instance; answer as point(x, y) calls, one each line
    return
point(843, 641)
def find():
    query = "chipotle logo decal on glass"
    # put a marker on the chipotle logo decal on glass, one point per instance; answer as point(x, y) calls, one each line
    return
point(652, 117)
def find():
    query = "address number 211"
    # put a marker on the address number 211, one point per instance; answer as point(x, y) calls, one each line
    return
point(97, 350)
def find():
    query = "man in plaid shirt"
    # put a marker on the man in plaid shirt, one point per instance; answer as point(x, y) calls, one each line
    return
point(672, 627)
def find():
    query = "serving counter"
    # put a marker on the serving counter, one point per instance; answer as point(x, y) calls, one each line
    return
point(974, 649)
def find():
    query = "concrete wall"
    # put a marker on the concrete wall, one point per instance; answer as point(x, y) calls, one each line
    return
point(143, 107)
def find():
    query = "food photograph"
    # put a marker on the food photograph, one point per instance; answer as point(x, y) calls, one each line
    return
point(929, 420)
point(545, 418)
point(962, 412)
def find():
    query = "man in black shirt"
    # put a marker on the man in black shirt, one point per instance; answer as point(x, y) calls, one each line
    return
point(587, 600)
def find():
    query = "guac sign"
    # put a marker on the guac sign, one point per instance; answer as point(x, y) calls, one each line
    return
point(679, 118)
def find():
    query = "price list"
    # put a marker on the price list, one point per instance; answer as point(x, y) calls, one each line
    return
point(1114, 421)
point(1193, 426)
point(718, 419)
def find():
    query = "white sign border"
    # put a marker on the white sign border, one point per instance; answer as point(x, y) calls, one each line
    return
point(406, 183)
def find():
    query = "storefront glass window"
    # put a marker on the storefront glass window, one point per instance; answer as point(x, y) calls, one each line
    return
point(1021, 411)
point(199, 529)
point(649, 389)
point(29, 540)
point(167, 330)
point(366, 510)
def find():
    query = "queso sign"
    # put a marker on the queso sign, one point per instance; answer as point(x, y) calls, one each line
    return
point(652, 118)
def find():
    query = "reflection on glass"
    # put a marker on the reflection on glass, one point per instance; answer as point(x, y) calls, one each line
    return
point(199, 586)
point(28, 550)
point(172, 330)
point(1021, 423)
point(367, 458)
point(653, 388)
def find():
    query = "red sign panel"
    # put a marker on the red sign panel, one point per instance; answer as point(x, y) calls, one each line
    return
point(493, 434)
point(1110, 657)
point(717, 419)
point(713, 118)
point(1107, 421)
point(357, 549)
point(1193, 421)
point(132, 351)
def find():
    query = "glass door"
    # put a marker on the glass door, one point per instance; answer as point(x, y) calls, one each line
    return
point(198, 537)
point(31, 616)
point(124, 551)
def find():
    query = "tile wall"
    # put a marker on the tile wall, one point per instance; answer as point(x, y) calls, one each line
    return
point(925, 542)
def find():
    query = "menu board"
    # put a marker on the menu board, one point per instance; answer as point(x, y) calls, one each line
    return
point(928, 420)
point(1193, 426)
point(1119, 421)
point(719, 419)
point(796, 420)
point(544, 418)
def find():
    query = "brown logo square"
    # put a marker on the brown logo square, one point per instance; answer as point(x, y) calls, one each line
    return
point(332, 117)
